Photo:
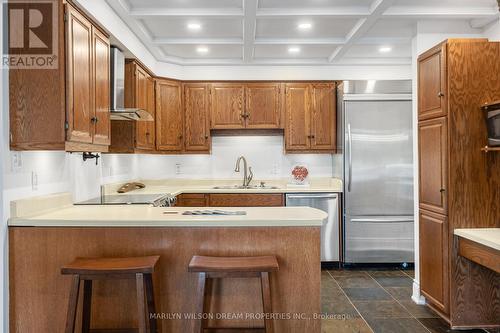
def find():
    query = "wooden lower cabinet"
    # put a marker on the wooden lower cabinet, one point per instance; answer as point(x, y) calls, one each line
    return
point(192, 200)
point(246, 200)
point(434, 280)
point(230, 200)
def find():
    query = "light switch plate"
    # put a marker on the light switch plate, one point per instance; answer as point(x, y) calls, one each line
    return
point(16, 161)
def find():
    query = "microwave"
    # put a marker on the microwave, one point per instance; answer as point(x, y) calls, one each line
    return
point(492, 116)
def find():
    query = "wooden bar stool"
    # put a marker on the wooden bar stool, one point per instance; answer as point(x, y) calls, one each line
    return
point(89, 269)
point(234, 267)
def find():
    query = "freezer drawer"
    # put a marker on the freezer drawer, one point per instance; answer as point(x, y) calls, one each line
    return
point(379, 239)
point(329, 203)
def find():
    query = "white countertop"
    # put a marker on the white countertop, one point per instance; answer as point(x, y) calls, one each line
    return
point(489, 237)
point(178, 186)
point(57, 211)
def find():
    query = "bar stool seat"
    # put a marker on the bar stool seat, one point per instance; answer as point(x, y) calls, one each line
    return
point(144, 265)
point(233, 267)
point(90, 269)
point(233, 264)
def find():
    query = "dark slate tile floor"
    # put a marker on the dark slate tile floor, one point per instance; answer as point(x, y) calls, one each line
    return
point(375, 301)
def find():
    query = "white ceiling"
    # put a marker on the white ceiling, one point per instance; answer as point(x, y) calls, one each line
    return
point(246, 32)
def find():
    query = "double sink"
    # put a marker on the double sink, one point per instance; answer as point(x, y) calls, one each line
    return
point(248, 187)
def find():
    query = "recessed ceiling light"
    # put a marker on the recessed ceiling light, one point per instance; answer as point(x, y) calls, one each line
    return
point(385, 49)
point(194, 26)
point(202, 49)
point(293, 49)
point(305, 26)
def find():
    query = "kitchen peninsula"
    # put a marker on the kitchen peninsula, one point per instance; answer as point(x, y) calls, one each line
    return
point(46, 233)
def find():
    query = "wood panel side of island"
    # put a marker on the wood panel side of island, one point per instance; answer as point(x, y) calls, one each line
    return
point(39, 293)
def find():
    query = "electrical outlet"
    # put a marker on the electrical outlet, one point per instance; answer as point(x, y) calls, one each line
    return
point(178, 169)
point(16, 161)
point(34, 181)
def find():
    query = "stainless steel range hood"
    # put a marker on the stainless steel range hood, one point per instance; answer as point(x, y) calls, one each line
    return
point(118, 111)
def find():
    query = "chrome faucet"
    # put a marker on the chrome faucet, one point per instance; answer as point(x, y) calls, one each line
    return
point(247, 172)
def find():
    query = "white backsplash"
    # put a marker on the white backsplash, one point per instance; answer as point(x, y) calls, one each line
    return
point(265, 154)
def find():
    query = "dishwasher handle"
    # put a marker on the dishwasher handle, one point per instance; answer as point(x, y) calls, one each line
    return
point(312, 196)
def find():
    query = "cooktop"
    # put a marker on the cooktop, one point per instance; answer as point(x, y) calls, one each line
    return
point(126, 199)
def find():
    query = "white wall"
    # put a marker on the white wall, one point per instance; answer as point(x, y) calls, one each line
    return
point(264, 154)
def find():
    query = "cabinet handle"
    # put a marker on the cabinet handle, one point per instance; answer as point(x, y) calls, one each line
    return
point(440, 94)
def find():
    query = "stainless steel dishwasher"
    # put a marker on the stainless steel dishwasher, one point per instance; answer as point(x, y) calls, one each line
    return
point(329, 203)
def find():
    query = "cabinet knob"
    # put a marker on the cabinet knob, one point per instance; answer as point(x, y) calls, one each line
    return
point(206, 137)
point(442, 190)
point(440, 94)
point(180, 136)
point(147, 134)
point(93, 120)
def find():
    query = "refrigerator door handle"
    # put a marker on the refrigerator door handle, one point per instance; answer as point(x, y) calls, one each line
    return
point(382, 220)
point(349, 143)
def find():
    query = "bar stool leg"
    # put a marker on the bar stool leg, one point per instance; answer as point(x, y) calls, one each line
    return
point(199, 323)
point(141, 306)
point(73, 303)
point(150, 297)
point(266, 300)
point(87, 303)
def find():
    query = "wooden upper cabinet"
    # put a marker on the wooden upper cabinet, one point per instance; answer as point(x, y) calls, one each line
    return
point(263, 105)
point(101, 88)
point(145, 129)
point(433, 249)
point(323, 117)
point(80, 72)
point(432, 90)
point(196, 117)
point(433, 164)
point(227, 106)
point(169, 116)
point(297, 116)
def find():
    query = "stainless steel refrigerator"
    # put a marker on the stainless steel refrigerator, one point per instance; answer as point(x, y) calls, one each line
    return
point(378, 171)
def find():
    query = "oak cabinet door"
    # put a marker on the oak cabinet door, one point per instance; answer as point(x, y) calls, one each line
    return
point(151, 108)
point(432, 83)
point(323, 117)
point(102, 122)
point(433, 239)
point(169, 120)
point(80, 101)
point(197, 127)
point(227, 106)
point(263, 107)
point(144, 128)
point(245, 200)
point(433, 162)
point(297, 111)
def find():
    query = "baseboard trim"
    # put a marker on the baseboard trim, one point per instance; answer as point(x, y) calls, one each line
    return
point(416, 296)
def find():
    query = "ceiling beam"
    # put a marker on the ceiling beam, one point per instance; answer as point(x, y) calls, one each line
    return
point(349, 12)
point(420, 12)
point(299, 41)
point(377, 8)
point(198, 41)
point(186, 12)
point(483, 23)
point(249, 29)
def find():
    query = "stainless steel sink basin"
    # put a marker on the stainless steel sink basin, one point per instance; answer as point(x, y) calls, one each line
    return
point(241, 187)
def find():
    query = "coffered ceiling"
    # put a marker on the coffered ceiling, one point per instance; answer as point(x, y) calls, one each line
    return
point(275, 32)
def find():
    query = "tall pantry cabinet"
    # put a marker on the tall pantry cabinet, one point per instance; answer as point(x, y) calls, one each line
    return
point(458, 183)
